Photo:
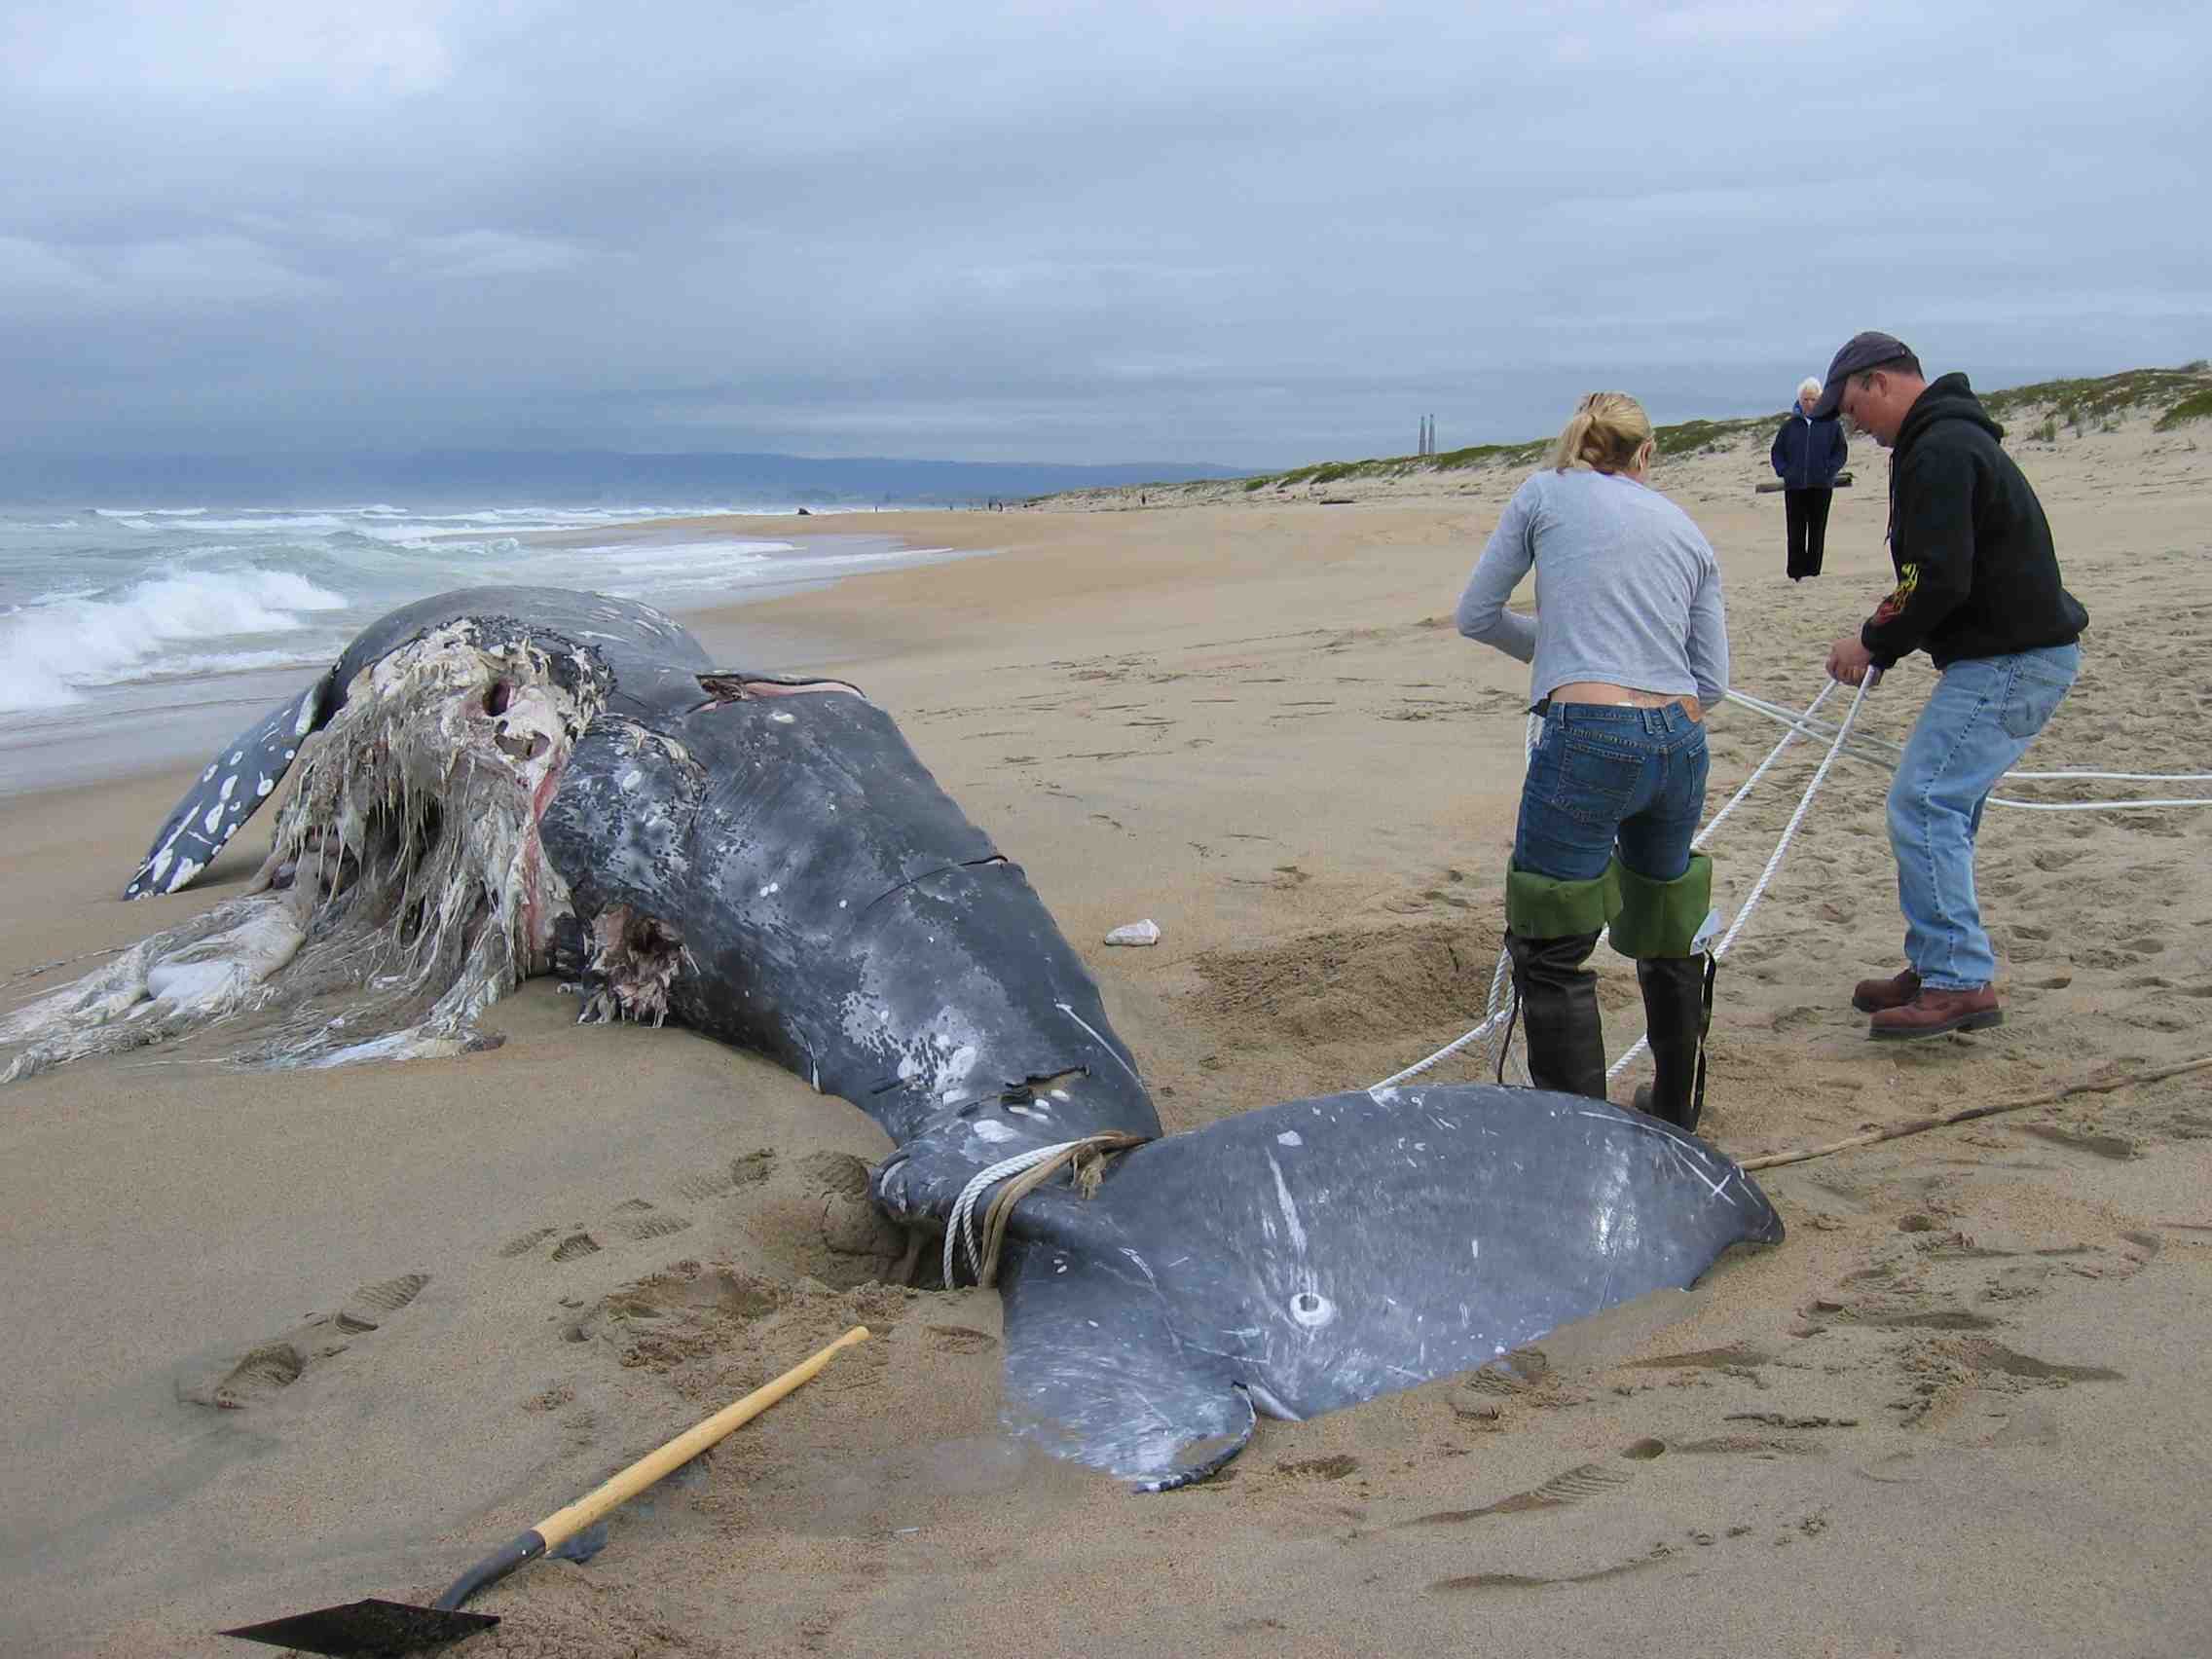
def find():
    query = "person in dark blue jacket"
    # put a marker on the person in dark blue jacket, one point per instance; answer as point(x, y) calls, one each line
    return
point(1807, 455)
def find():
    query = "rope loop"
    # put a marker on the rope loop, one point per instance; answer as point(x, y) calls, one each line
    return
point(1033, 1168)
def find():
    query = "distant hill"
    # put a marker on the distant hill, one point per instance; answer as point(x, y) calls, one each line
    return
point(573, 478)
point(2170, 398)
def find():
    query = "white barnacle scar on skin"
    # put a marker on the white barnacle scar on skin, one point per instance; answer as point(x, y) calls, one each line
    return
point(1313, 1309)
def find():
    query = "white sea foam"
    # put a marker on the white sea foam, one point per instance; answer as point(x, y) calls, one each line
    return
point(159, 626)
point(276, 524)
point(129, 595)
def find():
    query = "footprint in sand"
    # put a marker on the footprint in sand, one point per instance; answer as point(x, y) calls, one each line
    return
point(634, 1222)
point(1980, 1355)
point(748, 1170)
point(851, 1224)
point(281, 1361)
point(2115, 1147)
point(637, 1221)
point(1738, 1356)
point(527, 1242)
point(1571, 1486)
point(2019, 1280)
point(1660, 1553)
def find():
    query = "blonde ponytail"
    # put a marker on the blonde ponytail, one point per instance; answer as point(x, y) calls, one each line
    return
point(1605, 433)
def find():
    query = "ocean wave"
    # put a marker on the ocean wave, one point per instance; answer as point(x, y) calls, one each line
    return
point(181, 624)
point(273, 524)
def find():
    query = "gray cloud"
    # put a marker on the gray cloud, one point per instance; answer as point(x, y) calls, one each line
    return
point(1241, 234)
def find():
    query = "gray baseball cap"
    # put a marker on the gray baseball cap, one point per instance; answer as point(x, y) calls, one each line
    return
point(1867, 350)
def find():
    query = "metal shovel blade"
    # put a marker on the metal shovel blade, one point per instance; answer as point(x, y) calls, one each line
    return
point(368, 1628)
point(386, 1630)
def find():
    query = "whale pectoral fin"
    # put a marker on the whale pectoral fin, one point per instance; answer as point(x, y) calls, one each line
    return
point(244, 775)
point(1096, 1373)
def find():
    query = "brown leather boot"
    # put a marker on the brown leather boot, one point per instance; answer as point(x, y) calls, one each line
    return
point(1871, 996)
point(1932, 1013)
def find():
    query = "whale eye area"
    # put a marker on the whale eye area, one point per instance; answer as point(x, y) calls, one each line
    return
point(522, 746)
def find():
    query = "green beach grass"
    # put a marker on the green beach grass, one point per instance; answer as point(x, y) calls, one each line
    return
point(2179, 396)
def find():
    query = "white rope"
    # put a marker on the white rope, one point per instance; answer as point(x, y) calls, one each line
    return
point(1494, 1015)
point(2117, 777)
point(1823, 728)
point(1773, 863)
point(2096, 805)
point(960, 1229)
point(1803, 724)
point(1826, 728)
point(1759, 771)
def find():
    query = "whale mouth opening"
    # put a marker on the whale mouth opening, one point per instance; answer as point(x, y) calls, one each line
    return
point(406, 887)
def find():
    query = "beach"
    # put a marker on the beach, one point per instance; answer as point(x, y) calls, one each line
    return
point(284, 1339)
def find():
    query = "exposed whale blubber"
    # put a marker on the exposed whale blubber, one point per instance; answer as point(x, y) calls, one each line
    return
point(767, 861)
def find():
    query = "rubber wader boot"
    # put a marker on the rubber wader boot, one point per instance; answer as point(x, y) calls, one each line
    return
point(1678, 1007)
point(1559, 1011)
point(1659, 924)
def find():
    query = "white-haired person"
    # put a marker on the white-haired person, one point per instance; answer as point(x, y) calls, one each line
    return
point(1808, 452)
point(1628, 650)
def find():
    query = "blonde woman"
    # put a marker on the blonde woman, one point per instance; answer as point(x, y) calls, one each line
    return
point(1628, 648)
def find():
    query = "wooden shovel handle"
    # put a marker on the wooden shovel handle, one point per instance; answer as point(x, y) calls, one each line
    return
point(561, 1526)
point(564, 1523)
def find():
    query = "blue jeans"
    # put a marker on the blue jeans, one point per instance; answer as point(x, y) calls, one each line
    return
point(1980, 720)
point(1601, 774)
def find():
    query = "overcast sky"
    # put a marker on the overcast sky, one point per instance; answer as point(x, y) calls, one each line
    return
point(1254, 235)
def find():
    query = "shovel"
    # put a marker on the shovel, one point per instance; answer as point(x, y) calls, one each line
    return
point(384, 1630)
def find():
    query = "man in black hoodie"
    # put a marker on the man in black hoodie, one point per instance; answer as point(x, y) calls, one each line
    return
point(1978, 590)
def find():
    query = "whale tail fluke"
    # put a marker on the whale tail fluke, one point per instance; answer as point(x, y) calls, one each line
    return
point(1312, 1255)
point(1099, 1375)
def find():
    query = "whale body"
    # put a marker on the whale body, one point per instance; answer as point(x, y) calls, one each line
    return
point(507, 781)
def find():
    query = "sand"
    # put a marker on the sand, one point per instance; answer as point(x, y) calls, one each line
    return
point(276, 1342)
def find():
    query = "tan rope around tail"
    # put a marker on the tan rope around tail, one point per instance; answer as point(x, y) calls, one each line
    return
point(1921, 1126)
point(1088, 1158)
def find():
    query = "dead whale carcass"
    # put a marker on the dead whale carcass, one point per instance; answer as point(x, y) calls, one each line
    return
point(506, 781)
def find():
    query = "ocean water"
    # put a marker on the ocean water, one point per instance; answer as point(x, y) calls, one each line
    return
point(137, 637)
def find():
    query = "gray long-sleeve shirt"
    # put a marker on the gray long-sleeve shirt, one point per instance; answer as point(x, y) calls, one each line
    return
point(1627, 589)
